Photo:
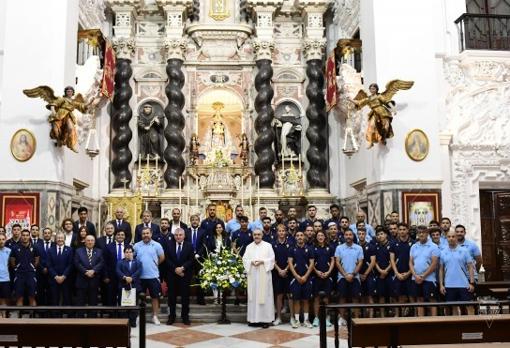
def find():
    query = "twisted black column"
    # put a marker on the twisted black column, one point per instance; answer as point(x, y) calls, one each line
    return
point(175, 123)
point(316, 132)
point(120, 117)
point(265, 133)
point(195, 11)
point(244, 11)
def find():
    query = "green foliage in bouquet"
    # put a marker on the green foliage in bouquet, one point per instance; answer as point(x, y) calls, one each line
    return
point(222, 271)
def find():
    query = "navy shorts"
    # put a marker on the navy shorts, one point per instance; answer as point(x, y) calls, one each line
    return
point(25, 284)
point(401, 287)
point(301, 291)
point(384, 286)
point(369, 286)
point(427, 290)
point(320, 284)
point(349, 290)
point(5, 289)
point(458, 294)
point(153, 285)
point(280, 285)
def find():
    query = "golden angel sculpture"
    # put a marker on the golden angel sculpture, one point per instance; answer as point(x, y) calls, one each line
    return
point(62, 119)
point(382, 109)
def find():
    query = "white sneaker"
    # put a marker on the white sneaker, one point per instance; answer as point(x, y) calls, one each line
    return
point(155, 320)
point(328, 323)
point(294, 323)
point(307, 324)
point(277, 322)
point(316, 322)
point(342, 322)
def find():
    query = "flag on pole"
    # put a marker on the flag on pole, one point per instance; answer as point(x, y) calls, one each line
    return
point(108, 82)
point(331, 82)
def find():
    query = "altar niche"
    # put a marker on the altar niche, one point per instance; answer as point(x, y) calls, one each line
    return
point(220, 127)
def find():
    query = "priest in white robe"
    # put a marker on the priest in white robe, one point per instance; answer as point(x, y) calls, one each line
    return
point(259, 261)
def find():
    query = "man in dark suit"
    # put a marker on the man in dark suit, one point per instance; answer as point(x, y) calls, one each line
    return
point(196, 236)
point(128, 272)
point(108, 238)
point(107, 292)
point(89, 264)
point(114, 253)
point(146, 222)
point(176, 221)
point(34, 236)
point(82, 221)
point(122, 225)
point(44, 246)
point(180, 260)
point(60, 265)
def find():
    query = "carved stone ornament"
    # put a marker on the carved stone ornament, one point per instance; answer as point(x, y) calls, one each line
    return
point(478, 117)
point(124, 47)
point(263, 49)
point(346, 17)
point(175, 48)
point(314, 48)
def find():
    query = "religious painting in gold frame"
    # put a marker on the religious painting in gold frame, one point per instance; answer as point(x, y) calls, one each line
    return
point(218, 10)
point(417, 145)
point(23, 145)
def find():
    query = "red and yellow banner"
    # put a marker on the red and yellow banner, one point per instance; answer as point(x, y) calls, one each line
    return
point(331, 82)
point(108, 84)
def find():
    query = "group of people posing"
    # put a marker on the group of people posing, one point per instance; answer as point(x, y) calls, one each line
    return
point(348, 262)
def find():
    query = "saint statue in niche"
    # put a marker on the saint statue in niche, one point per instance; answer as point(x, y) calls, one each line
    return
point(150, 132)
point(288, 131)
point(218, 147)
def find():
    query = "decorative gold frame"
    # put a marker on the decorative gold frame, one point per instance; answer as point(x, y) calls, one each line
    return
point(31, 135)
point(421, 155)
point(219, 16)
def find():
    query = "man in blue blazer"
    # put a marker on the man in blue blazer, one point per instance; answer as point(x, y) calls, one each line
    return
point(43, 289)
point(122, 225)
point(83, 221)
point(146, 222)
point(60, 265)
point(196, 236)
point(128, 272)
point(180, 261)
point(114, 253)
point(89, 263)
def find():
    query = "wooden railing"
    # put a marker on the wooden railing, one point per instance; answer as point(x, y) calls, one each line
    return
point(484, 32)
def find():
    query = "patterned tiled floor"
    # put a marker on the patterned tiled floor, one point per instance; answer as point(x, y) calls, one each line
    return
point(232, 336)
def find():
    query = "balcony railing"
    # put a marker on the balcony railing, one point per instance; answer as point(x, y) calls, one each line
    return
point(484, 32)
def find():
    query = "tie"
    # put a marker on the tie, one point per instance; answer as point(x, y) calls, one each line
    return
point(119, 252)
point(47, 246)
point(179, 251)
point(118, 223)
point(109, 240)
point(129, 265)
point(59, 251)
point(89, 255)
point(194, 239)
point(34, 241)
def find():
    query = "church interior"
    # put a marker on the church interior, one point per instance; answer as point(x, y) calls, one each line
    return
point(379, 107)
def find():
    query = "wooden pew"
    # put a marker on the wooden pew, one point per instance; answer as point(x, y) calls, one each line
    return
point(497, 289)
point(65, 332)
point(430, 330)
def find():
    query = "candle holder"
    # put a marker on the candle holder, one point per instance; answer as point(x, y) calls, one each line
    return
point(148, 178)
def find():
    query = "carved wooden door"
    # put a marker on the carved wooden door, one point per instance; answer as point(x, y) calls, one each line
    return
point(495, 221)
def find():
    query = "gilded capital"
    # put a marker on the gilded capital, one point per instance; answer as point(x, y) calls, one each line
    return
point(175, 48)
point(314, 48)
point(263, 49)
point(124, 47)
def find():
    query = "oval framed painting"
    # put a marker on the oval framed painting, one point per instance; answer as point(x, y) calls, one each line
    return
point(417, 145)
point(23, 145)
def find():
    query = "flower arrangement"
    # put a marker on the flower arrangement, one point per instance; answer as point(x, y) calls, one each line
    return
point(223, 270)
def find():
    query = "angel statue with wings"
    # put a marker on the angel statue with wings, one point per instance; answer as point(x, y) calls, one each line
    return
point(62, 119)
point(382, 109)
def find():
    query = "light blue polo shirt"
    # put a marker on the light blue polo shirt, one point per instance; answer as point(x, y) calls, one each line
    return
point(348, 257)
point(255, 225)
point(473, 251)
point(422, 254)
point(368, 227)
point(455, 262)
point(5, 252)
point(232, 225)
point(148, 254)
